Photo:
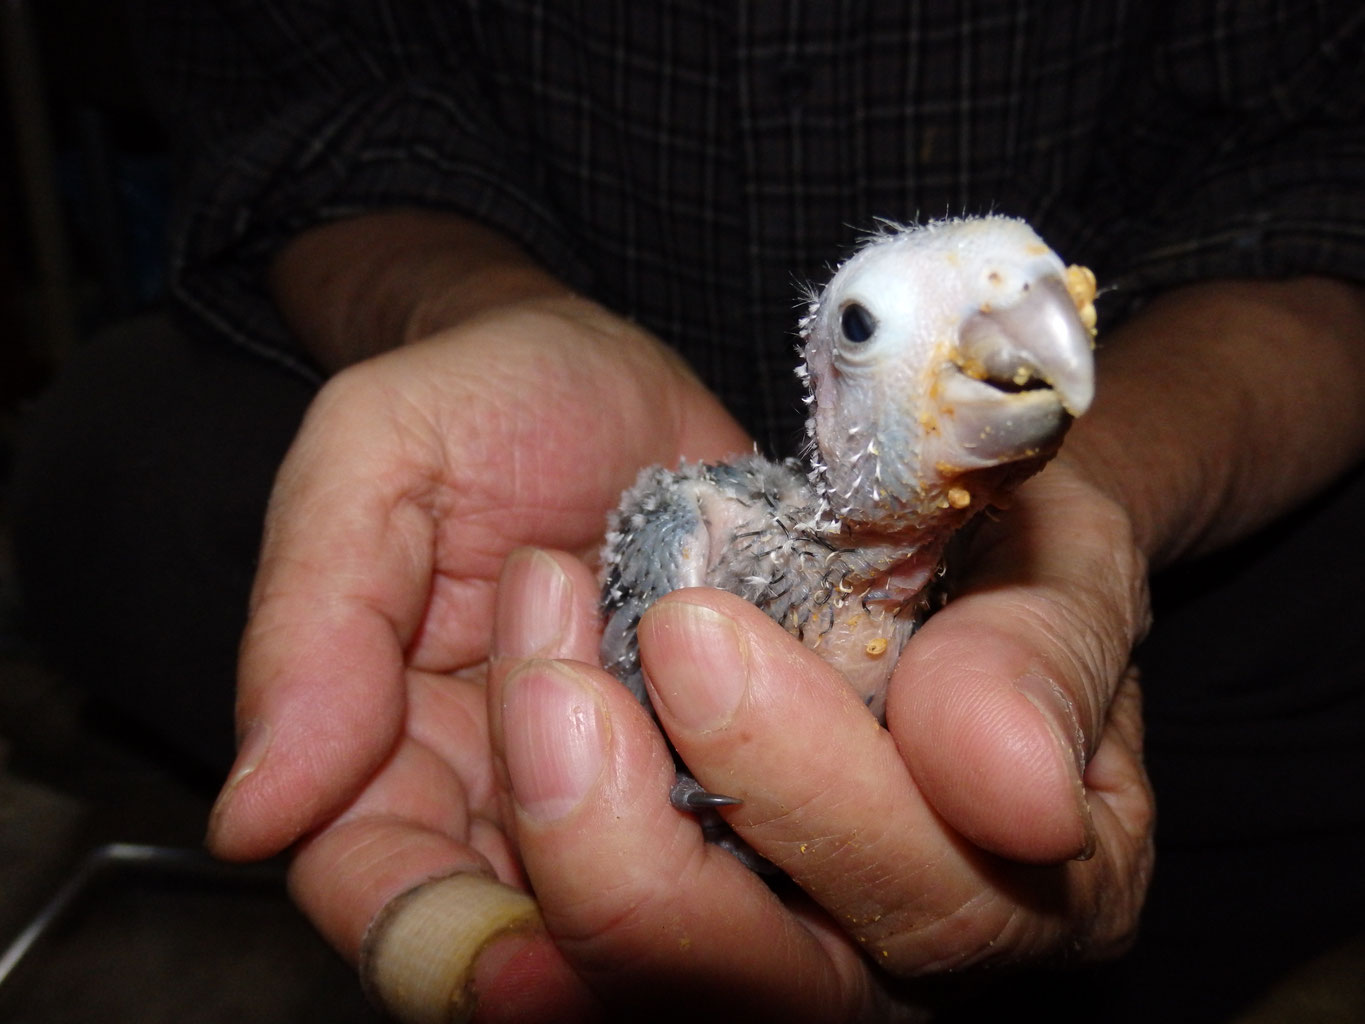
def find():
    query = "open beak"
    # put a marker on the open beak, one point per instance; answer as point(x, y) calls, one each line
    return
point(1019, 373)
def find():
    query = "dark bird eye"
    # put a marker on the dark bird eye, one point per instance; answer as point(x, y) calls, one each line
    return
point(857, 323)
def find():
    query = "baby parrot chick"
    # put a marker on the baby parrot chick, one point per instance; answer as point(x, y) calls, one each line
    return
point(943, 364)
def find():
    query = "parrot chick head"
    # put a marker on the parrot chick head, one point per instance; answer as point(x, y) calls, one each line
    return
point(943, 361)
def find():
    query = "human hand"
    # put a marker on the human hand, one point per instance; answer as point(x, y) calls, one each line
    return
point(361, 703)
point(953, 837)
point(1014, 731)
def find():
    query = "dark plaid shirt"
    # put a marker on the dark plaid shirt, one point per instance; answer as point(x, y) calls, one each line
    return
point(688, 163)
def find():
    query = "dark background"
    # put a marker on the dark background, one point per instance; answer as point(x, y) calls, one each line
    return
point(153, 931)
point(162, 934)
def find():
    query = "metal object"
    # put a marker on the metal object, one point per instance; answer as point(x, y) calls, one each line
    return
point(120, 858)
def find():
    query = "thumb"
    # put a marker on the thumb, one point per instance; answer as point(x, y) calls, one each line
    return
point(1000, 701)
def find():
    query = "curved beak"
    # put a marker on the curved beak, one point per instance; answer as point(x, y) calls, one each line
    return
point(1039, 340)
point(1019, 373)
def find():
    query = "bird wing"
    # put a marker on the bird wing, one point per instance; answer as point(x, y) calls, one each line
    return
point(657, 542)
point(724, 525)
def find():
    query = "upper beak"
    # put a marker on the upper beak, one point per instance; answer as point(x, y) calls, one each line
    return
point(1020, 372)
point(1038, 340)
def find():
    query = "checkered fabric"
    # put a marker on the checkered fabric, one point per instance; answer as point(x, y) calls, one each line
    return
point(690, 163)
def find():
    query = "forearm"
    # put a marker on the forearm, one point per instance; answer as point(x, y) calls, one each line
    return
point(353, 288)
point(1224, 404)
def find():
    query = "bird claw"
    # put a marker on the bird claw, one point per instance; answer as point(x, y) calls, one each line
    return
point(688, 795)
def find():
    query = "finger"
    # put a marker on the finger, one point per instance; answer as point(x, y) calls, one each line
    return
point(1015, 676)
point(426, 949)
point(422, 813)
point(433, 930)
point(347, 874)
point(546, 608)
point(466, 947)
point(829, 799)
point(644, 910)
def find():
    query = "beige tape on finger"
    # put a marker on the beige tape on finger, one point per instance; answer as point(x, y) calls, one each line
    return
point(418, 957)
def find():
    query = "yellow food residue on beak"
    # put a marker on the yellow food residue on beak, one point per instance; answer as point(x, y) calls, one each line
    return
point(1080, 283)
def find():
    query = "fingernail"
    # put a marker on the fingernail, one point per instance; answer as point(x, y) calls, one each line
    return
point(535, 600)
point(251, 752)
point(1059, 712)
point(702, 690)
point(555, 739)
